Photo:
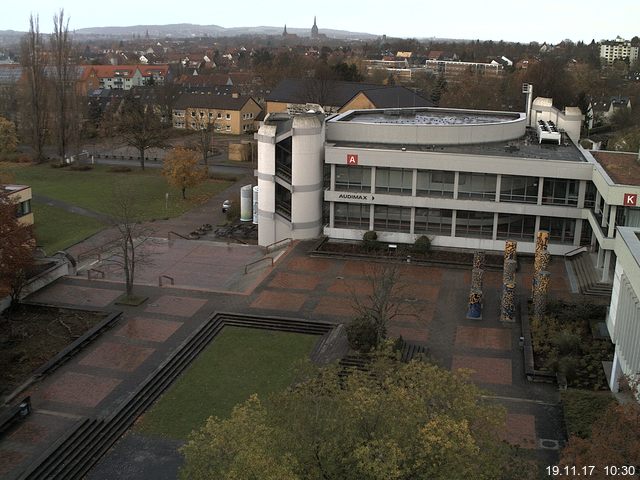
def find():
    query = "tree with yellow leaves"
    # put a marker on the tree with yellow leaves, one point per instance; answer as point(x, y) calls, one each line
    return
point(181, 169)
point(397, 421)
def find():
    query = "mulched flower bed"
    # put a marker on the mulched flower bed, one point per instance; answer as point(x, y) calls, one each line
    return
point(440, 256)
point(30, 335)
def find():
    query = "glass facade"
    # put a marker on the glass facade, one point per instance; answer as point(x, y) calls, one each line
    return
point(391, 219)
point(433, 220)
point(519, 189)
point(480, 186)
point(283, 202)
point(561, 230)
point(474, 224)
point(351, 215)
point(394, 180)
point(560, 191)
point(435, 184)
point(353, 179)
point(516, 227)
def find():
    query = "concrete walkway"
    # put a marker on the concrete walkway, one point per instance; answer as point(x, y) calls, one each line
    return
point(71, 208)
point(434, 300)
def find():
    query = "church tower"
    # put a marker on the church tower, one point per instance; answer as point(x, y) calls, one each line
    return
point(284, 32)
point(314, 29)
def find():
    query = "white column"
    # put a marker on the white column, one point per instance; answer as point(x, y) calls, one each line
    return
point(456, 183)
point(612, 221)
point(453, 221)
point(614, 384)
point(582, 192)
point(494, 234)
point(540, 187)
point(606, 266)
point(577, 233)
point(498, 187)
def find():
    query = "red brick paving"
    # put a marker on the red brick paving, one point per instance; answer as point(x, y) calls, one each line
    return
point(150, 329)
point(428, 293)
point(28, 433)
point(80, 389)
point(176, 306)
point(482, 337)
point(279, 301)
point(308, 265)
point(9, 459)
point(489, 279)
point(295, 281)
point(354, 268)
point(408, 333)
point(520, 429)
point(335, 306)
point(76, 295)
point(431, 275)
point(486, 370)
point(349, 286)
point(117, 356)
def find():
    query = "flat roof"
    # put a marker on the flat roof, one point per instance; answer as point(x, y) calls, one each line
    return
point(13, 188)
point(428, 116)
point(526, 147)
point(622, 167)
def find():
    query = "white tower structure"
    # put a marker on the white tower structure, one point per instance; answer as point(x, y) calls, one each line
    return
point(290, 177)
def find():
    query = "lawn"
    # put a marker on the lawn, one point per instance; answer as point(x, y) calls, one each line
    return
point(94, 188)
point(57, 229)
point(238, 363)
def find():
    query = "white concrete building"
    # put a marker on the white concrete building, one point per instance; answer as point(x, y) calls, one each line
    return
point(467, 179)
point(623, 320)
point(618, 49)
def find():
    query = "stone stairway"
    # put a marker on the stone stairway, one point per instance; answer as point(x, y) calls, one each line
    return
point(589, 281)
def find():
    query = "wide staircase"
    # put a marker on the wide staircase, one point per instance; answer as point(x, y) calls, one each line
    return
point(589, 280)
point(72, 456)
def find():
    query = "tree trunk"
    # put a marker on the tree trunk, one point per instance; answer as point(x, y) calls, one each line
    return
point(184, 195)
point(142, 158)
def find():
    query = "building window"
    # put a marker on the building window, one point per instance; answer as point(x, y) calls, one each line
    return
point(433, 220)
point(228, 128)
point(351, 215)
point(435, 184)
point(228, 116)
point(519, 189)
point(474, 224)
point(23, 208)
point(560, 191)
point(590, 196)
point(561, 230)
point(391, 219)
point(219, 115)
point(394, 180)
point(516, 227)
point(284, 159)
point(353, 179)
point(481, 186)
point(283, 202)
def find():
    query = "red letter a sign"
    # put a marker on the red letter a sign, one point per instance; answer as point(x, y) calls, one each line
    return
point(352, 159)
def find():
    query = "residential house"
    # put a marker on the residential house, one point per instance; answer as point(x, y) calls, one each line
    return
point(231, 114)
point(21, 195)
point(125, 77)
point(298, 95)
point(603, 109)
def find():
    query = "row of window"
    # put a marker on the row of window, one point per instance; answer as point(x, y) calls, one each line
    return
point(440, 222)
point(479, 186)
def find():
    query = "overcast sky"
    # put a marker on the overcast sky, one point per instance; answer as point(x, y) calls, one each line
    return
point(510, 20)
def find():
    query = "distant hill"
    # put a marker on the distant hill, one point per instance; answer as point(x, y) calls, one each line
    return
point(183, 30)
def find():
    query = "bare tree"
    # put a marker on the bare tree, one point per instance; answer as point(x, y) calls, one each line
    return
point(64, 77)
point(35, 91)
point(375, 309)
point(133, 235)
point(204, 142)
point(139, 126)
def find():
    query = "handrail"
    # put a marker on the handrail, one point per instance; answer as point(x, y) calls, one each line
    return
point(171, 280)
point(257, 261)
point(266, 249)
point(96, 271)
point(575, 251)
point(177, 235)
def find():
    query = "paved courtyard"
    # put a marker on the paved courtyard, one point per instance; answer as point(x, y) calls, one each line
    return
point(433, 305)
